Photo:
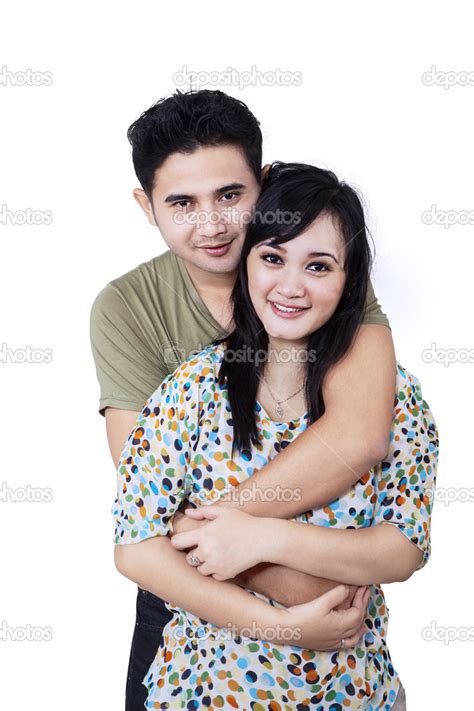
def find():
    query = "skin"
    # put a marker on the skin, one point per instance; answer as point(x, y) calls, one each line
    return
point(319, 464)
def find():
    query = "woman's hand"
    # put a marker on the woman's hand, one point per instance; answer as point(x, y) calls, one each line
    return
point(230, 541)
point(319, 625)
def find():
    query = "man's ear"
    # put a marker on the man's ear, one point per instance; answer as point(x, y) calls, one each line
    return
point(142, 199)
point(265, 170)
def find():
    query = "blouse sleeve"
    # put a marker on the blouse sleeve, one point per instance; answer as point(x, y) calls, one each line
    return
point(151, 476)
point(406, 479)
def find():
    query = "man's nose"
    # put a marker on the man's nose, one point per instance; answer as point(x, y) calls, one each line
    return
point(210, 223)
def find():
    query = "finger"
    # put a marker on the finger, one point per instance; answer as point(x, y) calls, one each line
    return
point(352, 630)
point(195, 513)
point(350, 618)
point(186, 539)
point(355, 640)
point(208, 512)
point(359, 596)
point(333, 597)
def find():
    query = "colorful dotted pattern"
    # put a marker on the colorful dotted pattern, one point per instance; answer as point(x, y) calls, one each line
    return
point(181, 448)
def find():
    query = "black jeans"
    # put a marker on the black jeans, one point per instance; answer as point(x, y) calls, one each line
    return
point(152, 616)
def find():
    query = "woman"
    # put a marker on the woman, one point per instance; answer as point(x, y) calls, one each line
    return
point(298, 302)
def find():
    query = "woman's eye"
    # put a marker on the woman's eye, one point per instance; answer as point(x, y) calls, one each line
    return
point(319, 267)
point(271, 258)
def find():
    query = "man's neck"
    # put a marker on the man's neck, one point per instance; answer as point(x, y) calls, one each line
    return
point(215, 290)
point(210, 281)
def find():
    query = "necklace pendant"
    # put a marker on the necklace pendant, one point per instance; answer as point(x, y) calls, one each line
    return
point(279, 410)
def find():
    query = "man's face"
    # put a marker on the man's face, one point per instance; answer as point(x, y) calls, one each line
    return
point(202, 202)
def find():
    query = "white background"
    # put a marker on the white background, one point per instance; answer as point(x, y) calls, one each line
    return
point(362, 110)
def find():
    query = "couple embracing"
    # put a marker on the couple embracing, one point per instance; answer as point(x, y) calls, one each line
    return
point(259, 565)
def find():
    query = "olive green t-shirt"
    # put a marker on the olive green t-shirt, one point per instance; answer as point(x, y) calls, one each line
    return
point(148, 321)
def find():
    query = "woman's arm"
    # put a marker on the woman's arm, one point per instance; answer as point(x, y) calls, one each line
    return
point(233, 540)
point(278, 582)
point(220, 603)
point(315, 625)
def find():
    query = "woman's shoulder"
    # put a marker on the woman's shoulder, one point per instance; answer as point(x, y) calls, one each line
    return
point(410, 405)
point(202, 369)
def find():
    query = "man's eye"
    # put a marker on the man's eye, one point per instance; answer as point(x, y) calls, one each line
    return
point(229, 196)
point(320, 267)
point(182, 204)
point(271, 258)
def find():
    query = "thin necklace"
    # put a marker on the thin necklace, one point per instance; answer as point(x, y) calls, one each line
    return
point(279, 403)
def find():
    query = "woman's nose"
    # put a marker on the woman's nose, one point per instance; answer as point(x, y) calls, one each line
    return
point(290, 286)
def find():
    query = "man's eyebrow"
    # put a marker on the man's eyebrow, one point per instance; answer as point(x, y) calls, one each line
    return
point(311, 254)
point(176, 197)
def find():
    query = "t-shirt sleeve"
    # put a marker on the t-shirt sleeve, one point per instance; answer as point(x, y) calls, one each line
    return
point(151, 476)
point(127, 368)
point(406, 480)
point(373, 313)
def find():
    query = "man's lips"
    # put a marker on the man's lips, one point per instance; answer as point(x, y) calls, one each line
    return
point(216, 250)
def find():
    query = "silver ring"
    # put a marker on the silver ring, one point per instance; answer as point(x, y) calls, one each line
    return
point(194, 560)
point(342, 643)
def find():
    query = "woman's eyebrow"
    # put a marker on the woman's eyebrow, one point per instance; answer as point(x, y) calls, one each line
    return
point(311, 254)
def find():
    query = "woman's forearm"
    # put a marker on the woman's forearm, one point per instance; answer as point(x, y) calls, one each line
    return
point(362, 556)
point(156, 566)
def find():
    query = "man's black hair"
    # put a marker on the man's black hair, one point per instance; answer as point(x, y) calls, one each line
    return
point(182, 122)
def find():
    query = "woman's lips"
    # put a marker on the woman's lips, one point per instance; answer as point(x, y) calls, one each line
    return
point(287, 314)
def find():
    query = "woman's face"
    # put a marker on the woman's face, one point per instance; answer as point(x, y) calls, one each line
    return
point(295, 287)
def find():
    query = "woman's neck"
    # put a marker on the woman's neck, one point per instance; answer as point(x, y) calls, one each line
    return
point(284, 377)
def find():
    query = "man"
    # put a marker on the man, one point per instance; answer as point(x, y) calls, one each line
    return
point(198, 159)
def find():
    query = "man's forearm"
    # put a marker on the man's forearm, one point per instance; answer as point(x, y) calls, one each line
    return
point(285, 585)
point(326, 460)
point(221, 603)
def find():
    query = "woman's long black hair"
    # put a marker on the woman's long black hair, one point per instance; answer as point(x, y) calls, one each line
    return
point(305, 192)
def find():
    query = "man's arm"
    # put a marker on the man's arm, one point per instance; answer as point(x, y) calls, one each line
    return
point(326, 460)
point(377, 554)
point(118, 424)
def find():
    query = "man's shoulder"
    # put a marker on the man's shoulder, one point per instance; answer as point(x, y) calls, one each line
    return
point(146, 274)
point(138, 285)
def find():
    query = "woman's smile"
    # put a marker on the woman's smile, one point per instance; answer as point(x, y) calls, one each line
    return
point(284, 311)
